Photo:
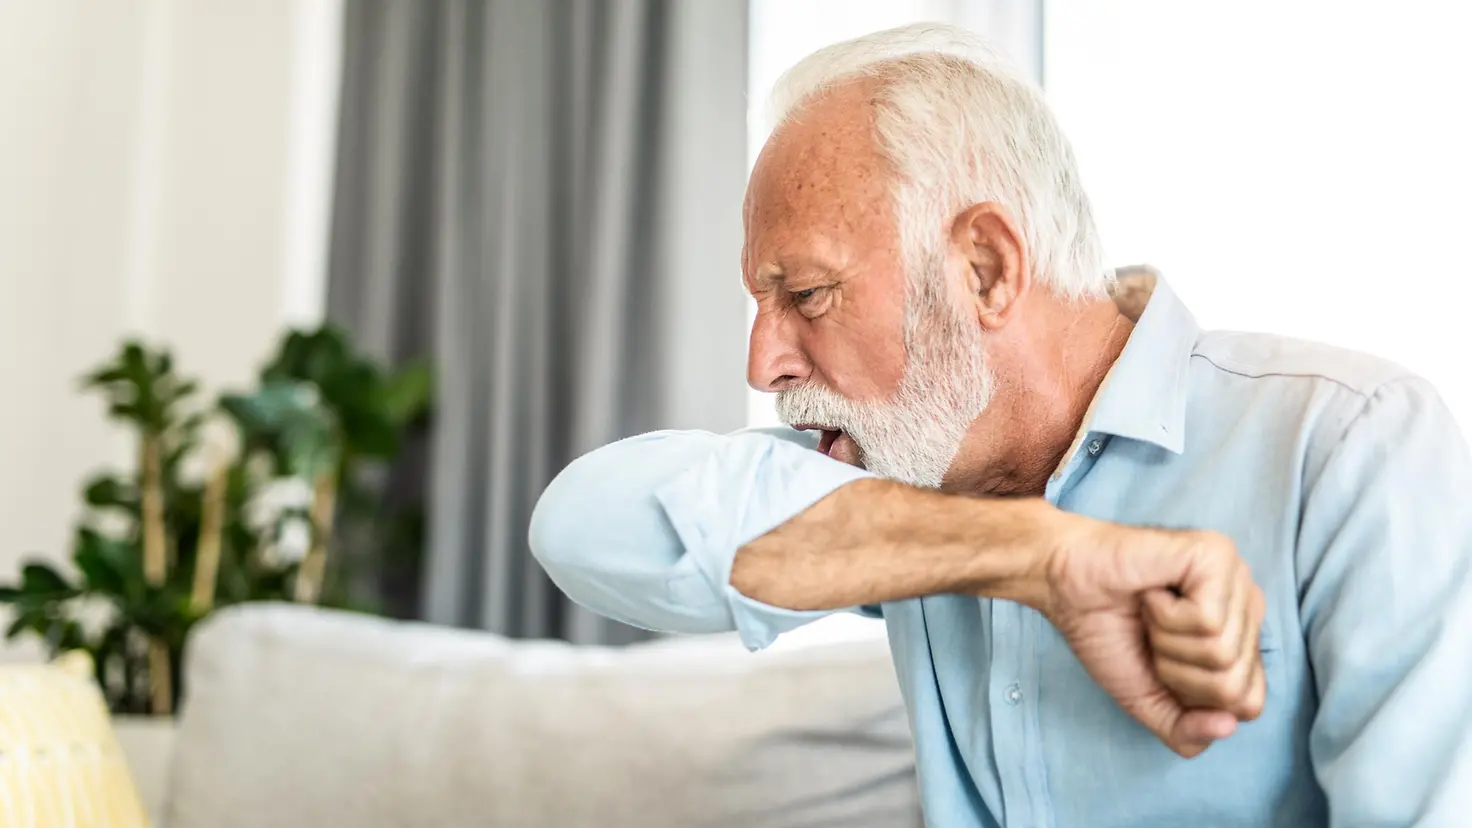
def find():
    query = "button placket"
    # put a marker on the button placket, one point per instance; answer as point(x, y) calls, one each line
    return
point(1013, 658)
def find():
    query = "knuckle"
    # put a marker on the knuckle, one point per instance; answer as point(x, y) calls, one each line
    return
point(1249, 708)
point(1213, 621)
point(1219, 695)
point(1242, 680)
point(1252, 708)
point(1229, 689)
point(1221, 655)
point(1256, 700)
point(1218, 545)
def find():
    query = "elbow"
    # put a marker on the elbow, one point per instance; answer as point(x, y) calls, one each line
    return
point(580, 560)
point(601, 535)
point(555, 534)
point(597, 523)
point(602, 502)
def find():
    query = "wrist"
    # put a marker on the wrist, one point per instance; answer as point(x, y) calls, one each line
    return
point(1039, 534)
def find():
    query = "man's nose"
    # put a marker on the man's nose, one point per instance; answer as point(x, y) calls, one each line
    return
point(774, 361)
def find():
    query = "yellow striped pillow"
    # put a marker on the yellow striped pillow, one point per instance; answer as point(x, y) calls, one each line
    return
point(60, 764)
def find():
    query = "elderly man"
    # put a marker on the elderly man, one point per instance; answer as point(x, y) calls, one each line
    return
point(991, 409)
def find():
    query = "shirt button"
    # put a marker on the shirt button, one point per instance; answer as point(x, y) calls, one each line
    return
point(1096, 446)
point(1014, 694)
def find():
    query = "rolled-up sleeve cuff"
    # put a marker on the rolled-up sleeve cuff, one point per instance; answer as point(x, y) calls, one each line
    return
point(738, 493)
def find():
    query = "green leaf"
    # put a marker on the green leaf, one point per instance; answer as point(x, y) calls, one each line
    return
point(108, 566)
point(127, 411)
point(43, 579)
point(312, 356)
point(106, 375)
point(108, 491)
point(63, 635)
point(252, 422)
point(17, 627)
point(165, 612)
point(183, 390)
point(407, 393)
point(372, 436)
point(9, 595)
point(134, 359)
point(289, 418)
point(193, 422)
point(310, 448)
point(270, 408)
point(290, 358)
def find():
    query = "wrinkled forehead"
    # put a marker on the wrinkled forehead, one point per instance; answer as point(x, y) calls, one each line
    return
point(821, 174)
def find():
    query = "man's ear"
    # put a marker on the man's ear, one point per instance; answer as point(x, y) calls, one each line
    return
point(996, 257)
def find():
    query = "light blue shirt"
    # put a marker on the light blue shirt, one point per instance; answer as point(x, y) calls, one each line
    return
point(1343, 480)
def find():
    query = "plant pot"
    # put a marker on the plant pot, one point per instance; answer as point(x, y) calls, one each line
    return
point(148, 744)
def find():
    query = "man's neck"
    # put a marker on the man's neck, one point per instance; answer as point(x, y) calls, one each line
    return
point(1047, 377)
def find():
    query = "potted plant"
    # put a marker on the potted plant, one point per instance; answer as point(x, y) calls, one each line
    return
point(246, 498)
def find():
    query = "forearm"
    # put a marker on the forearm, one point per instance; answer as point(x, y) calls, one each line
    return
point(873, 541)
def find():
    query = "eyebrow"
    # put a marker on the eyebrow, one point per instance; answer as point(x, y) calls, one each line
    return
point(772, 274)
point(767, 274)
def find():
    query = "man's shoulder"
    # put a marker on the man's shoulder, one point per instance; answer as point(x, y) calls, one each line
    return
point(1302, 363)
point(1298, 400)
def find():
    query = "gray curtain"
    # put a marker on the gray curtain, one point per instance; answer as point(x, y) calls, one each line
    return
point(543, 196)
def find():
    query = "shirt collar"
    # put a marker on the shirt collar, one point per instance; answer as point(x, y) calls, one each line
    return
point(1144, 395)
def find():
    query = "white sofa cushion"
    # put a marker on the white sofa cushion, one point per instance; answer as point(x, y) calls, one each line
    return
point(301, 717)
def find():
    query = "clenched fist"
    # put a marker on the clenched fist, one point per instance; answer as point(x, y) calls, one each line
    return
point(1165, 621)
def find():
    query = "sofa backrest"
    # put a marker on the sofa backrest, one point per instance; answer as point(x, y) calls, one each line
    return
point(303, 717)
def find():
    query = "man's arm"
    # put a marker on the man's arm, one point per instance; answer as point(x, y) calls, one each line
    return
point(1385, 552)
point(874, 541)
point(694, 532)
point(647, 531)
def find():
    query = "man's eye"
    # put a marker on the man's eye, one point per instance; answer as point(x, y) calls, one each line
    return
point(811, 302)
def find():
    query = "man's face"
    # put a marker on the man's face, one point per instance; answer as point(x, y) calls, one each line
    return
point(893, 378)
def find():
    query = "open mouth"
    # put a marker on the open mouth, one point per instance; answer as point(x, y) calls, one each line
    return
point(830, 436)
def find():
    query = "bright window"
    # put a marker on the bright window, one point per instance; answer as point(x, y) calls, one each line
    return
point(1302, 168)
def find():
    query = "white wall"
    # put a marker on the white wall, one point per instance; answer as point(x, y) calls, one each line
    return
point(164, 171)
point(1300, 168)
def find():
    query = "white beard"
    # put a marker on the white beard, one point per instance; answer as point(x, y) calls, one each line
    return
point(913, 437)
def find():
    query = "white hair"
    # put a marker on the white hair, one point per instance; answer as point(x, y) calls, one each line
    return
point(961, 126)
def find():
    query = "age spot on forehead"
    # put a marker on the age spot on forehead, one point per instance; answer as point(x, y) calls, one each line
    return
point(820, 176)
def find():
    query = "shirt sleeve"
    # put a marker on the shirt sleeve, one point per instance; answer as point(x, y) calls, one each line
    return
point(645, 530)
point(1386, 591)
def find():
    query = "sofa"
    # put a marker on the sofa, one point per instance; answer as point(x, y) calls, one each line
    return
point(305, 718)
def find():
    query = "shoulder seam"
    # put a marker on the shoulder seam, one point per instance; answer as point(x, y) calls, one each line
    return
point(1354, 389)
point(1365, 404)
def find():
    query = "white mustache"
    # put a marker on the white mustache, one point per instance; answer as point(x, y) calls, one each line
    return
point(814, 405)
